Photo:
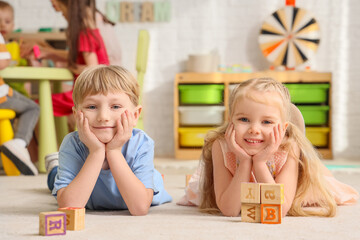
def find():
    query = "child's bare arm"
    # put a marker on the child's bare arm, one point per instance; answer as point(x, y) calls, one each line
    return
point(78, 192)
point(228, 187)
point(260, 159)
point(90, 59)
point(4, 63)
point(47, 51)
point(289, 177)
point(137, 198)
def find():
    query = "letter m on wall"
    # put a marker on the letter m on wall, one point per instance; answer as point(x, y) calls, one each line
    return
point(162, 11)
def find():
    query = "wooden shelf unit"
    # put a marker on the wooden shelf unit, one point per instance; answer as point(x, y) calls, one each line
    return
point(232, 78)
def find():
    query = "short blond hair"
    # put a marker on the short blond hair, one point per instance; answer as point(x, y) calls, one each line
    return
point(102, 79)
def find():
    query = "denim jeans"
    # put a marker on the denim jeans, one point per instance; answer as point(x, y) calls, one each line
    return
point(27, 112)
point(51, 178)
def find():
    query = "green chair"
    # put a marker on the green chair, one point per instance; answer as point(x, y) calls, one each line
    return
point(141, 63)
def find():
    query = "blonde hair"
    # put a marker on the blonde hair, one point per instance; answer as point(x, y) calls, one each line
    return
point(102, 79)
point(312, 189)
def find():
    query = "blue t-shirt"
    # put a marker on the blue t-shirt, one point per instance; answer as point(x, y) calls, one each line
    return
point(138, 153)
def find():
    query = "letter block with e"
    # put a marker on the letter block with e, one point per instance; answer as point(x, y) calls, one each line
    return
point(250, 213)
point(75, 218)
point(250, 192)
point(271, 213)
point(272, 193)
point(52, 223)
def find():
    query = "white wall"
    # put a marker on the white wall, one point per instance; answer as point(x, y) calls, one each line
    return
point(231, 27)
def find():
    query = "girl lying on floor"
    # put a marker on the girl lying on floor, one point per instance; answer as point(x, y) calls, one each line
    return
point(261, 143)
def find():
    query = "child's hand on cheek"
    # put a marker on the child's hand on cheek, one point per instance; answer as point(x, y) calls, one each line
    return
point(276, 137)
point(124, 127)
point(234, 147)
point(85, 134)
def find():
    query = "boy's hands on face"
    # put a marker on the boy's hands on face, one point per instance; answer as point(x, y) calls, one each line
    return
point(86, 135)
point(234, 147)
point(124, 127)
point(276, 137)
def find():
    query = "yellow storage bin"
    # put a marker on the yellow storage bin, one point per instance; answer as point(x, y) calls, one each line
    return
point(192, 137)
point(318, 136)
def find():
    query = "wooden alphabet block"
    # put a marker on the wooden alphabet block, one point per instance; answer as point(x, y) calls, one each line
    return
point(251, 212)
point(250, 192)
point(272, 193)
point(75, 218)
point(52, 223)
point(271, 213)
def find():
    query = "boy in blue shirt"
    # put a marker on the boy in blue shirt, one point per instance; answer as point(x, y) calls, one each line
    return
point(107, 164)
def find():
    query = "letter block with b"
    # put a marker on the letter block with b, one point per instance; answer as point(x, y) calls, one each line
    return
point(271, 213)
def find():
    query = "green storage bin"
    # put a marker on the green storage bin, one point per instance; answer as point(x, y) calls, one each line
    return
point(315, 115)
point(309, 93)
point(201, 94)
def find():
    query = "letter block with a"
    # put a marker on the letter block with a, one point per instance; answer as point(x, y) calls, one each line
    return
point(250, 193)
point(272, 193)
point(251, 212)
point(271, 213)
point(52, 223)
point(75, 218)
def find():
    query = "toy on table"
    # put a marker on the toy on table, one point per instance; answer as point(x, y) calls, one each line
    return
point(75, 218)
point(37, 52)
point(262, 202)
point(52, 223)
point(14, 49)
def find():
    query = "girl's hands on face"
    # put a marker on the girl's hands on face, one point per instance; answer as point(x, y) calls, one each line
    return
point(85, 134)
point(124, 127)
point(234, 147)
point(276, 137)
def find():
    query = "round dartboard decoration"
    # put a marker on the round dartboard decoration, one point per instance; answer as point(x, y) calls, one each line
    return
point(289, 37)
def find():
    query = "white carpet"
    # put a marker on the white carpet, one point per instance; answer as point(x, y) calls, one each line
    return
point(23, 198)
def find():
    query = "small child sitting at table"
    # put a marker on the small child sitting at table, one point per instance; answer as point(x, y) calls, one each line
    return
point(27, 112)
point(7, 27)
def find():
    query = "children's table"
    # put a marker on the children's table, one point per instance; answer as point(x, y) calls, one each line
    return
point(42, 75)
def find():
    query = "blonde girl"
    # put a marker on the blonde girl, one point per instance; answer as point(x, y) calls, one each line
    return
point(261, 143)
